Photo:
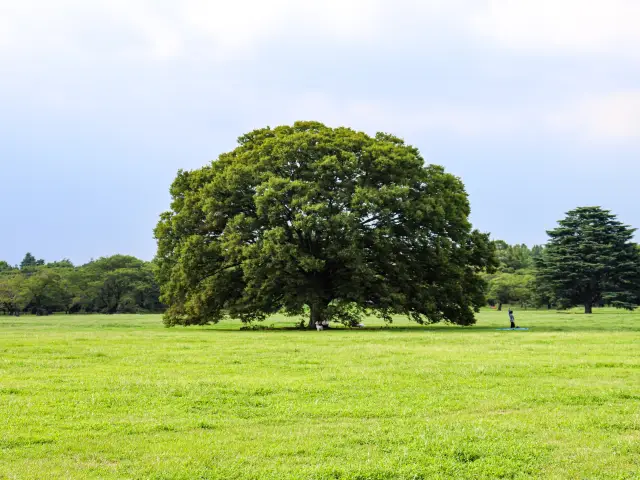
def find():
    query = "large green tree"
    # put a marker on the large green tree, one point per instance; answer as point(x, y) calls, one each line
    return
point(14, 296)
point(121, 284)
point(589, 259)
point(330, 221)
point(45, 292)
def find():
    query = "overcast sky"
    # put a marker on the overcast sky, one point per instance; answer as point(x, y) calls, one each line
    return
point(535, 104)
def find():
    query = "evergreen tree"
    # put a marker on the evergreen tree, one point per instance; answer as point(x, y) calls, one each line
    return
point(590, 259)
point(28, 261)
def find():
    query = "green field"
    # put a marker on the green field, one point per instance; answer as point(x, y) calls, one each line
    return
point(123, 397)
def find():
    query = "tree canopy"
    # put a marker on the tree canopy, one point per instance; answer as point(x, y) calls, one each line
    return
point(330, 221)
point(589, 259)
point(515, 282)
point(512, 288)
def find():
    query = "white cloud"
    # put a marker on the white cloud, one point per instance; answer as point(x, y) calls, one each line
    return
point(242, 25)
point(611, 118)
point(553, 26)
point(222, 29)
point(38, 33)
point(219, 29)
point(64, 28)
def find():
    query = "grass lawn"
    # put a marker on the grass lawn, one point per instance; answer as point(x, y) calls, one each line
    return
point(124, 397)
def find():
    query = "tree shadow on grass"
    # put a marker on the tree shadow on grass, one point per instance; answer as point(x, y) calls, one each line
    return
point(606, 321)
point(439, 329)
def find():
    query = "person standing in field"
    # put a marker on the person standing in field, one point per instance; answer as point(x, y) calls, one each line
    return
point(512, 318)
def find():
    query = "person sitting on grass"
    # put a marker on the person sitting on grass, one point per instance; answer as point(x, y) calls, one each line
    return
point(512, 319)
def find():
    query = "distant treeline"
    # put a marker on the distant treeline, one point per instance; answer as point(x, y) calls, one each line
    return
point(125, 284)
point(518, 280)
point(515, 280)
point(117, 284)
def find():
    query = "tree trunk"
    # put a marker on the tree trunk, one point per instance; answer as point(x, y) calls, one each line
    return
point(499, 307)
point(317, 315)
point(588, 308)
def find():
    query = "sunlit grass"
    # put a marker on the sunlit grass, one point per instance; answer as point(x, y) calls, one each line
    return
point(124, 397)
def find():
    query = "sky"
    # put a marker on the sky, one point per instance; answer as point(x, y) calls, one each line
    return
point(534, 104)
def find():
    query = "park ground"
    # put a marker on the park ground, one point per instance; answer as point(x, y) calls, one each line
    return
point(123, 397)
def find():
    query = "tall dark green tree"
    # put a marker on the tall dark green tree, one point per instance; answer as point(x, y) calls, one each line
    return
point(330, 220)
point(5, 267)
point(589, 259)
point(28, 261)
